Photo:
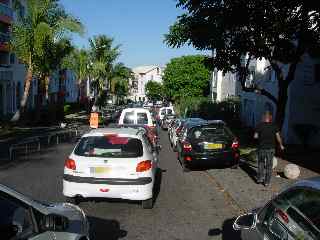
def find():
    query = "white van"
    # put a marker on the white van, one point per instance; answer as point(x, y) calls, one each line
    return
point(165, 111)
point(136, 116)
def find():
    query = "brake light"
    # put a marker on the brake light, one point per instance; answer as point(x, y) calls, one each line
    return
point(283, 215)
point(235, 144)
point(187, 147)
point(178, 130)
point(144, 166)
point(187, 158)
point(70, 164)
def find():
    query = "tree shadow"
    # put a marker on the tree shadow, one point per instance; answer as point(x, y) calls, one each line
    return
point(101, 229)
point(227, 232)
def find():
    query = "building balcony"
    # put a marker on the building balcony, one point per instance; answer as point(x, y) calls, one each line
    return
point(6, 13)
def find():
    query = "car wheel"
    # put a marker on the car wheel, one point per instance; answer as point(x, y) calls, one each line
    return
point(147, 204)
point(73, 200)
point(184, 167)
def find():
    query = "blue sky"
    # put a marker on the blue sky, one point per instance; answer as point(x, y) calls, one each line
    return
point(138, 25)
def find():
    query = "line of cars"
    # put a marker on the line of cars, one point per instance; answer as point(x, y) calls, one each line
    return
point(121, 162)
point(202, 143)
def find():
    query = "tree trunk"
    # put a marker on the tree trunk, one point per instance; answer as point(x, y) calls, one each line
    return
point(20, 112)
point(281, 104)
point(46, 86)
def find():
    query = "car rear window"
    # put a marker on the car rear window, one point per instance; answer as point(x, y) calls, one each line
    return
point(109, 146)
point(142, 118)
point(210, 133)
point(128, 118)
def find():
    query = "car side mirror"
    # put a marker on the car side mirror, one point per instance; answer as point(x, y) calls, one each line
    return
point(246, 221)
point(53, 222)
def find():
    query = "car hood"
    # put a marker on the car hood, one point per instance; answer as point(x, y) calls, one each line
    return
point(78, 222)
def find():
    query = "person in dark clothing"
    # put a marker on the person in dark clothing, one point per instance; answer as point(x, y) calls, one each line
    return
point(267, 134)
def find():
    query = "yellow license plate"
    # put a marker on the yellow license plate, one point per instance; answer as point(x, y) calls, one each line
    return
point(214, 146)
point(99, 170)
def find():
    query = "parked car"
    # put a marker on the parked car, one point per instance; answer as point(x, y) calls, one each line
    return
point(167, 120)
point(207, 143)
point(25, 218)
point(150, 133)
point(111, 163)
point(179, 128)
point(294, 214)
point(137, 116)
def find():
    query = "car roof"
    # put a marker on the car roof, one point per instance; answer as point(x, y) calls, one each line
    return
point(136, 109)
point(102, 131)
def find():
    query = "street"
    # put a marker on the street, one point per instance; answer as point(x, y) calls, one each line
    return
point(188, 205)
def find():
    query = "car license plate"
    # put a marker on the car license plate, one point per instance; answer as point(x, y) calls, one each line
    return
point(212, 146)
point(99, 170)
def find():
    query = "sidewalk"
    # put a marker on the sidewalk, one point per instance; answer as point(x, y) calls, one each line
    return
point(241, 186)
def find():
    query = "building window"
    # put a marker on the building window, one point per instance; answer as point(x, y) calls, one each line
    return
point(317, 73)
point(158, 71)
point(18, 94)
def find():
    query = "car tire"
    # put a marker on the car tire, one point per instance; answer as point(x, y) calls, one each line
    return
point(73, 200)
point(184, 167)
point(147, 204)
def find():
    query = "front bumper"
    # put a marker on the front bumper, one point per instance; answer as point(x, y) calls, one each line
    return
point(130, 189)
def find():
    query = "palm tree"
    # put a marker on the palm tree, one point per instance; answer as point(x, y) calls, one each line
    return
point(78, 61)
point(103, 56)
point(44, 23)
point(119, 80)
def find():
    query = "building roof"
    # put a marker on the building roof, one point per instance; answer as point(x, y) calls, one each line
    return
point(144, 69)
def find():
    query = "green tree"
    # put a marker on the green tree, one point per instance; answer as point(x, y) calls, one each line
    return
point(186, 76)
point(102, 58)
point(279, 31)
point(154, 91)
point(119, 80)
point(78, 61)
point(44, 24)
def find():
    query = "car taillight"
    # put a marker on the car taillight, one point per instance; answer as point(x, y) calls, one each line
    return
point(144, 166)
point(235, 144)
point(70, 163)
point(178, 130)
point(187, 158)
point(186, 147)
point(283, 215)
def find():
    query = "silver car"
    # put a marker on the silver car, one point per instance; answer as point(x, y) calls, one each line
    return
point(294, 214)
point(23, 218)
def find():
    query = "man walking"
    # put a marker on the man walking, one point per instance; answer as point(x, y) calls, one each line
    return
point(267, 133)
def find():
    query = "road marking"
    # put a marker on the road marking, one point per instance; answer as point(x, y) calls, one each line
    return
point(227, 196)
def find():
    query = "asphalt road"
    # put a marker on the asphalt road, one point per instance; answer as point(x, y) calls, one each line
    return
point(188, 205)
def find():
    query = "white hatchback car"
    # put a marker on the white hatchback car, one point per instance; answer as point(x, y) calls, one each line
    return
point(112, 163)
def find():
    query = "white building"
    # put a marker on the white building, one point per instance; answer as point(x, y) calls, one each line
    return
point(223, 86)
point(142, 75)
point(12, 72)
point(303, 106)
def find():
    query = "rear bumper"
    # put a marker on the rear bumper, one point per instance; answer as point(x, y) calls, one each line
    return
point(104, 190)
point(109, 181)
point(223, 158)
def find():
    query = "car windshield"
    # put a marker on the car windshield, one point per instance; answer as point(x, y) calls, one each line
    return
point(109, 146)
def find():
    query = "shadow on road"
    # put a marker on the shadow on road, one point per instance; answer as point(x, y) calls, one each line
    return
point(250, 170)
point(227, 231)
point(101, 229)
